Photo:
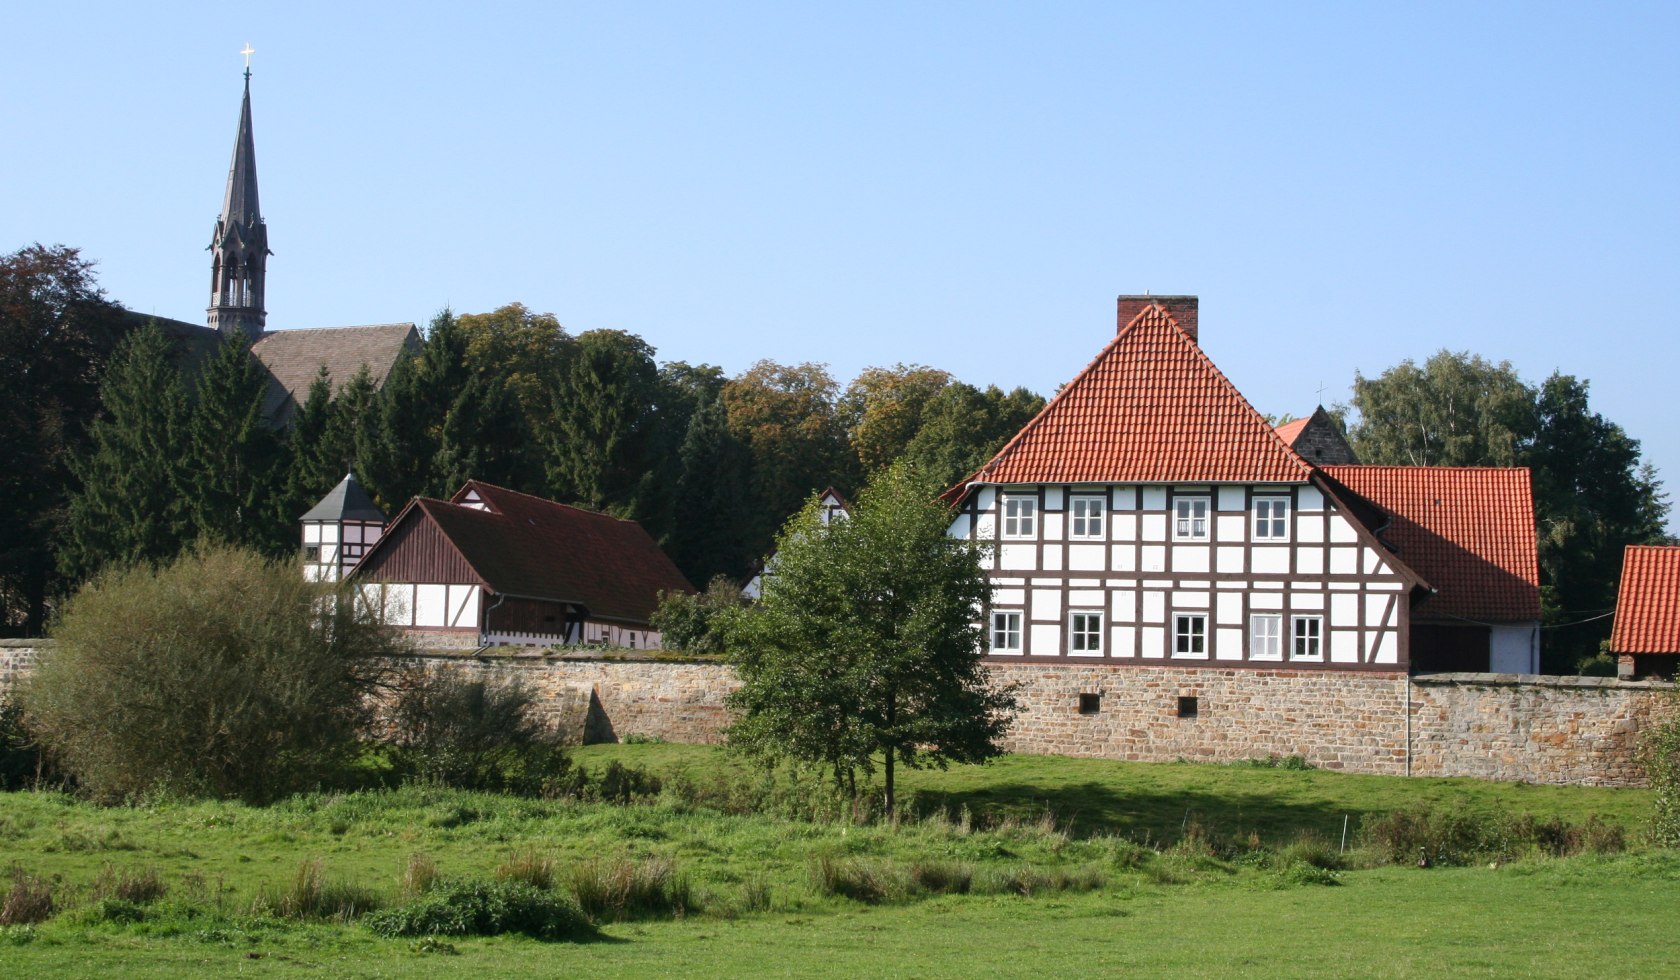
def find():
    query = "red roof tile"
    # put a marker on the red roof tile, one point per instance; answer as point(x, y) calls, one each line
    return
point(535, 548)
point(1648, 603)
point(1150, 409)
point(1469, 531)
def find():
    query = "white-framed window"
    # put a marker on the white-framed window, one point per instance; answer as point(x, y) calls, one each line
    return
point(1271, 518)
point(1190, 635)
point(1309, 638)
point(1006, 631)
point(1086, 515)
point(1020, 516)
point(1190, 518)
point(1085, 632)
point(1265, 636)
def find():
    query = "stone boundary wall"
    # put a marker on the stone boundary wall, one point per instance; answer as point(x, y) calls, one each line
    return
point(1567, 730)
point(1335, 720)
point(1572, 730)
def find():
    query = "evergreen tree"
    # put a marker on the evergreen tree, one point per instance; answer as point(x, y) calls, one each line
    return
point(707, 534)
point(600, 454)
point(397, 448)
point(313, 470)
point(234, 478)
point(126, 505)
point(484, 438)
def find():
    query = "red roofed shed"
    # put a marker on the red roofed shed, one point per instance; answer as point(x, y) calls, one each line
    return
point(1646, 638)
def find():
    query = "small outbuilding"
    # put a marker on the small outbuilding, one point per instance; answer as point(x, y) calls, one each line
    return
point(1646, 637)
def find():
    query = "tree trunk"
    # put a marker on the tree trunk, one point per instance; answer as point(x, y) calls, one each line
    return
point(892, 722)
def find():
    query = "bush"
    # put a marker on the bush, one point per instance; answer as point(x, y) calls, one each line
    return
point(220, 674)
point(1662, 767)
point(474, 734)
point(483, 908)
point(22, 766)
point(688, 622)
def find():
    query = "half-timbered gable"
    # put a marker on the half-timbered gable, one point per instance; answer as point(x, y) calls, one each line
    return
point(1150, 515)
point(831, 506)
point(494, 566)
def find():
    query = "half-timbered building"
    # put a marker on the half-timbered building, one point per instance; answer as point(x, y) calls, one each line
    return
point(492, 566)
point(1149, 515)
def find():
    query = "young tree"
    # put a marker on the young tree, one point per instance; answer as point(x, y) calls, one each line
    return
point(126, 505)
point(866, 647)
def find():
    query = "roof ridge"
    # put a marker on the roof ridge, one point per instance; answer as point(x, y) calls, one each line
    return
point(550, 503)
point(349, 326)
point(1420, 466)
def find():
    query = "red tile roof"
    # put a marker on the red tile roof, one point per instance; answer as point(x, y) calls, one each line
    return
point(535, 548)
point(1150, 409)
point(1468, 531)
point(1290, 431)
point(1648, 603)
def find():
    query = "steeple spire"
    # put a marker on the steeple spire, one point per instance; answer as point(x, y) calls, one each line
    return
point(240, 242)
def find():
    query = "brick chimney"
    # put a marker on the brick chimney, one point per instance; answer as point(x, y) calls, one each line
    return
point(1182, 308)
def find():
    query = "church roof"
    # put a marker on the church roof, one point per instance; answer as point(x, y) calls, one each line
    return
point(1152, 408)
point(346, 502)
point(294, 357)
point(1290, 431)
point(1467, 530)
point(1648, 601)
point(1318, 440)
point(525, 546)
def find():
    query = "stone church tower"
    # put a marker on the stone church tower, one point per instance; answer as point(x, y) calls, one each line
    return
point(240, 244)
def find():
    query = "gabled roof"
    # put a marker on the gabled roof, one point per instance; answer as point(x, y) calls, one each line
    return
point(537, 549)
point(294, 357)
point(1290, 431)
point(1648, 602)
point(346, 502)
point(1469, 531)
point(1318, 440)
point(1151, 408)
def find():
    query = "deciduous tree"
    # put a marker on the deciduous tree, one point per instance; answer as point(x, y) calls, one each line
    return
point(865, 649)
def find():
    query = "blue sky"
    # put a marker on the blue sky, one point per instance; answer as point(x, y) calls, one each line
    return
point(962, 185)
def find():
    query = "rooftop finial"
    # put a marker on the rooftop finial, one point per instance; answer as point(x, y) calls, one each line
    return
point(248, 52)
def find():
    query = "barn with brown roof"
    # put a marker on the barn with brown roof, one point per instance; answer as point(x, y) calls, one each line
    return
point(492, 566)
point(1646, 637)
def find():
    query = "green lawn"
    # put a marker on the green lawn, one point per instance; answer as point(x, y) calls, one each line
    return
point(1189, 909)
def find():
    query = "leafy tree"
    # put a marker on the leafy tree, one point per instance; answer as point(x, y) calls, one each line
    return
point(57, 332)
point(963, 427)
point(884, 408)
point(600, 454)
point(712, 499)
point(232, 482)
point(693, 623)
point(1458, 410)
point(126, 505)
point(865, 648)
point(527, 351)
point(786, 417)
point(222, 674)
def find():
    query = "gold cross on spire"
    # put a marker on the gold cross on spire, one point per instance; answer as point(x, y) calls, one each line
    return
point(248, 52)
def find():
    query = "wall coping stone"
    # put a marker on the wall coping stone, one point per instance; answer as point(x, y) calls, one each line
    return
point(549, 655)
point(1538, 680)
point(38, 642)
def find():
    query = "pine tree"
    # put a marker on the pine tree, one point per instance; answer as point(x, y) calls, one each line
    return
point(312, 472)
point(710, 514)
point(599, 453)
point(233, 481)
point(126, 505)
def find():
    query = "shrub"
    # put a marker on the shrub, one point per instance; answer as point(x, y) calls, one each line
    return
point(220, 674)
point(614, 891)
point(22, 765)
point(621, 784)
point(483, 908)
point(688, 622)
point(29, 900)
point(1662, 767)
point(472, 734)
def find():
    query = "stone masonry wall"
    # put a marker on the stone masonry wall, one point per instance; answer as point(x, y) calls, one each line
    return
point(1341, 720)
point(1582, 730)
point(1579, 730)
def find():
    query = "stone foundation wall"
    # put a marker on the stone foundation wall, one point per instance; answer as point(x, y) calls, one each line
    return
point(16, 658)
point(1341, 720)
point(1575, 730)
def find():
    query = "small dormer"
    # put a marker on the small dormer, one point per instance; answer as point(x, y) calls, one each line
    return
point(339, 530)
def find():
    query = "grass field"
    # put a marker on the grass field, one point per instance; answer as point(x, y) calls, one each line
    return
point(1243, 874)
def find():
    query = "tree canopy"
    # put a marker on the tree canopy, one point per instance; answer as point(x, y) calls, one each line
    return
point(865, 650)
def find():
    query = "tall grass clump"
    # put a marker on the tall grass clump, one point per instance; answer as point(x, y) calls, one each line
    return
point(1426, 836)
point(139, 886)
point(220, 674)
point(530, 867)
point(310, 895)
point(28, 900)
point(858, 879)
point(623, 889)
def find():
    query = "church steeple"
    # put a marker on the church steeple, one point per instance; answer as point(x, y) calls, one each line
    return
point(240, 245)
